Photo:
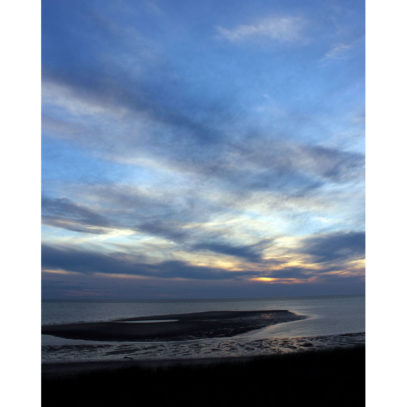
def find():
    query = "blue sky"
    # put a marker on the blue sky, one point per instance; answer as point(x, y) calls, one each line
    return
point(202, 149)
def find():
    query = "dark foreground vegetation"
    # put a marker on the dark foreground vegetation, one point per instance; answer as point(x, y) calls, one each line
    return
point(323, 378)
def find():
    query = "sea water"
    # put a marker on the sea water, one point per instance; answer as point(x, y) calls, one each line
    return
point(328, 318)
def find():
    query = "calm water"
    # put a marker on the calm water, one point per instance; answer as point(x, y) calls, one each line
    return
point(327, 315)
point(328, 318)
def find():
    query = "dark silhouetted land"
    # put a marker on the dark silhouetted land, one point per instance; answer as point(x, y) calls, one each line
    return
point(173, 327)
point(323, 378)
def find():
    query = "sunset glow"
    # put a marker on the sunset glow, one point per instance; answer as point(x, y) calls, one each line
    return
point(199, 153)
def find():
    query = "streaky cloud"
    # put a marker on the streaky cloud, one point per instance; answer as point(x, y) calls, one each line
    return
point(252, 253)
point(334, 247)
point(62, 212)
point(281, 28)
point(88, 262)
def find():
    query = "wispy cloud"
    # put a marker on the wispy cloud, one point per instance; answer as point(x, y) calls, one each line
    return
point(83, 261)
point(164, 162)
point(243, 163)
point(64, 213)
point(63, 259)
point(335, 247)
point(286, 28)
point(338, 51)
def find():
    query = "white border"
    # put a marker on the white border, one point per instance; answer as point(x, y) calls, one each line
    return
point(20, 203)
point(386, 202)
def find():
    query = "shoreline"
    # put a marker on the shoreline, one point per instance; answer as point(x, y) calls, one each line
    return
point(230, 348)
point(334, 377)
point(80, 367)
point(173, 327)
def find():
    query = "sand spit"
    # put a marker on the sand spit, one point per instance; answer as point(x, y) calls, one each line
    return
point(216, 324)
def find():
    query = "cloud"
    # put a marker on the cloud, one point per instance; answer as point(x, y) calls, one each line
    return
point(71, 261)
point(155, 102)
point(62, 212)
point(343, 50)
point(58, 286)
point(250, 253)
point(290, 272)
point(118, 263)
point(282, 29)
point(241, 163)
point(188, 180)
point(339, 51)
point(120, 209)
point(187, 216)
point(165, 213)
point(335, 247)
point(155, 122)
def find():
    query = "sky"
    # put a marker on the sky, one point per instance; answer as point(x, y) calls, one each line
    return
point(202, 149)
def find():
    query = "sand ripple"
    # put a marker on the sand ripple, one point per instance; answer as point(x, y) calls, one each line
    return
point(203, 348)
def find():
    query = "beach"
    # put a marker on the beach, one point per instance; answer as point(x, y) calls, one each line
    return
point(215, 324)
point(278, 352)
point(140, 331)
point(333, 377)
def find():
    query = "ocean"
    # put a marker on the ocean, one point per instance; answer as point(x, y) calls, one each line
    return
point(331, 321)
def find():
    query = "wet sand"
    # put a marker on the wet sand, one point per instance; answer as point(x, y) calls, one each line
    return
point(314, 378)
point(232, 347)
point(173, 327)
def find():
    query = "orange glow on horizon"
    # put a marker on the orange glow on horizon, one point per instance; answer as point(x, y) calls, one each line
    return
point(58, 271)
point(275, 280)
